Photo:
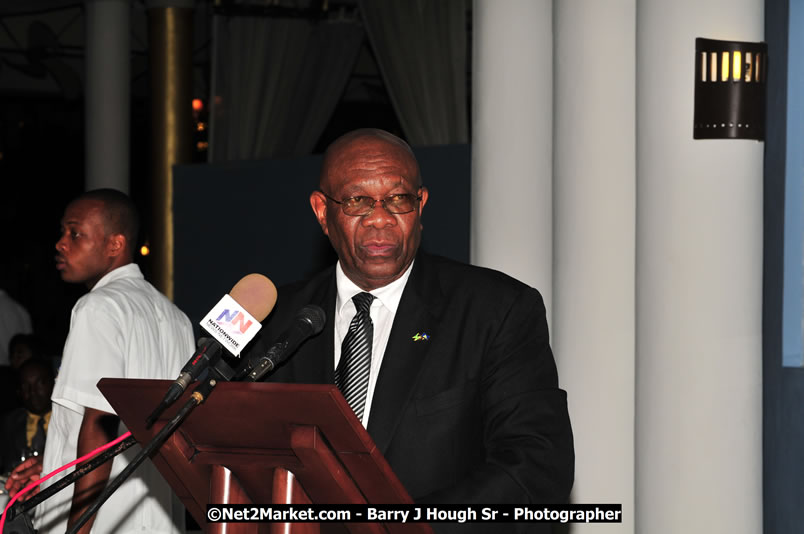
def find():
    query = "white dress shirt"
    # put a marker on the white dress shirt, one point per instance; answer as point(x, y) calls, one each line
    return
point(383, 310)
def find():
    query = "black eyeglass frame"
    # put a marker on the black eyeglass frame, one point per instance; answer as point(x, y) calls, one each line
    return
point(417, 198)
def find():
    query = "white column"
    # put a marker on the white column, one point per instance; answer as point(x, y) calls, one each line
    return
point(107, 96)
point(594, 247)
point(512, 216)
point(699, 287)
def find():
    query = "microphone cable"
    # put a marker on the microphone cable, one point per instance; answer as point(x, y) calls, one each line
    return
point(55, 472)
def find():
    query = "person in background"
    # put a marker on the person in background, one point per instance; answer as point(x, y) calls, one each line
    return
point(123, 327)
point(22, 348)
point(14, 319)
point(24, 430)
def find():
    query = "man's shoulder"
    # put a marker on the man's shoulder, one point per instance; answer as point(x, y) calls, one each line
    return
point(128, 297)
point(293, 296)
point(14, 314)
point(450, 276)
point(112, 294)
point(456, 275)
point(483, 292)
point(309, 287)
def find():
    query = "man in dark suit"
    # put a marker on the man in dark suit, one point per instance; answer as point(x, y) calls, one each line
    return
point(460, 391)
point(24, 430)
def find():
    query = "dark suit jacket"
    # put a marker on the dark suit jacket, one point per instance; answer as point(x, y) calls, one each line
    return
point(13, 435)
point(471, 415)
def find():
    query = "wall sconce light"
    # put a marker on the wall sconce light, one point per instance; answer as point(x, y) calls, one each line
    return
point(730, 87)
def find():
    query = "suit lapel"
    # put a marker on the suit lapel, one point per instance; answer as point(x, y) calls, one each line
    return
point(404, 357)
point(314, 362)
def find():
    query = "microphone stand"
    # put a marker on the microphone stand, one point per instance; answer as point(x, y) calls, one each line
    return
point(80, 471)
point(255, 368)
point(198, 396)
point(219, 370)
point(18, 522)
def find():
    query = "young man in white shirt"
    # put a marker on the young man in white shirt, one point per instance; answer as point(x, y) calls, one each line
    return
point(122, 328)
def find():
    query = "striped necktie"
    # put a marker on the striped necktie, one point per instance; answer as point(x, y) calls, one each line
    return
point(352, 374)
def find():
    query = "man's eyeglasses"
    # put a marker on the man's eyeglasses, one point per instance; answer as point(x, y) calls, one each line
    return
point(362, 205)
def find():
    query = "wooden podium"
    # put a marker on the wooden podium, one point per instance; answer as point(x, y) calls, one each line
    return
point(266, 444)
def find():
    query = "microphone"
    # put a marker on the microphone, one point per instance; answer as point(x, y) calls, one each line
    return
point(307, 323)
point(232, 323)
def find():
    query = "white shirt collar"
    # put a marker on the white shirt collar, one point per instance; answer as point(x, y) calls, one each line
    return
point(389, 295)
point(129, 270)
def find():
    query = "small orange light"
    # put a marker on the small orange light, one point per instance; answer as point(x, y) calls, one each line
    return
point(198, 104)
point(144, 250)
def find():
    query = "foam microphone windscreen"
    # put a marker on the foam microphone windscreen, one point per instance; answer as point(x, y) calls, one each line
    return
point(256, 293)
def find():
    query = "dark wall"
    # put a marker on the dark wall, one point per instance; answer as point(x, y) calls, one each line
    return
point(783, 387)
point(232, 219)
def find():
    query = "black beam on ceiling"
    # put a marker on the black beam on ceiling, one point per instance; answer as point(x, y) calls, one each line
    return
point(234, 8)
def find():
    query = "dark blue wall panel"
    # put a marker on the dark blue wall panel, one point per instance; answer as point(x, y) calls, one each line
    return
point(783, 387)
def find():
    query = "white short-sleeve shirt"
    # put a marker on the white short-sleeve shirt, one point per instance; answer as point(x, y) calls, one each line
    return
point(122, 328)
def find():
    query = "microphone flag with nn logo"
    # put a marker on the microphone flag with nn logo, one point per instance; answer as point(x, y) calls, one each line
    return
point(231, 324)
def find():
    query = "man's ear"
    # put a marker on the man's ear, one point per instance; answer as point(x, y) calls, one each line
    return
point(319, 204)
point(425, 195)
point(116, 245)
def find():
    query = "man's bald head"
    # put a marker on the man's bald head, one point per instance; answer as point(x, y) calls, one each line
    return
point(367, 141)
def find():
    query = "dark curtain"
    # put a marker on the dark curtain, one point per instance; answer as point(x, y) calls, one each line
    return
point(421, 46)
point(276, 83)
